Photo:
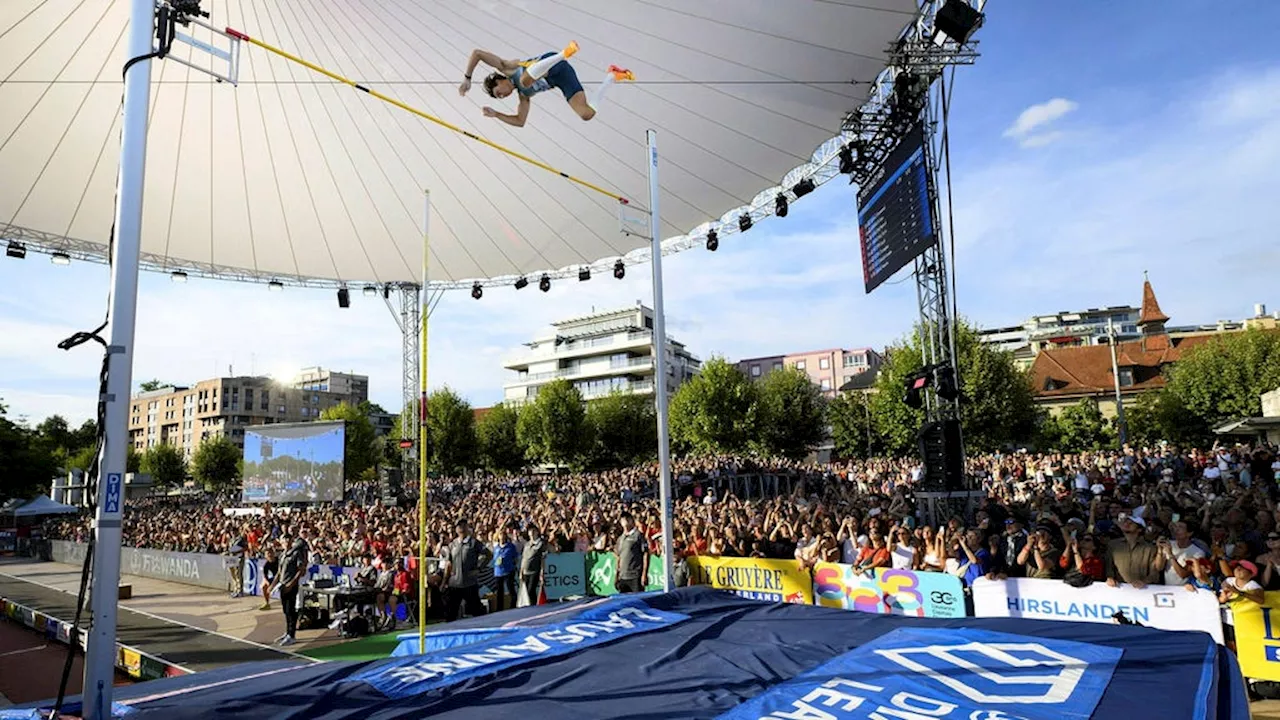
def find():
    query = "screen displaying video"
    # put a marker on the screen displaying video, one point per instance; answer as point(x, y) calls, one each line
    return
point(297, 463)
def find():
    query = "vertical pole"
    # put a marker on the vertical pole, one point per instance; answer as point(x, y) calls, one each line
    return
point(660, 363)
point(99, 664)
point(424, 306)
point(1121, 427)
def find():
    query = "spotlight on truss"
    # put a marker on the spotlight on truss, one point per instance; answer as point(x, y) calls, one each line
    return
point(713, 241)
point(370, 291)
point(846, 160)
point(344, 298)
point(584, 274)
point(956, 20)
point(477, 292)
point(522, 283)
point(16, 249)
point(619, 270)
point(744, 222)
point(780, 205)
point(178, 276)
point(802, 188)
point(275, 286)
point(60, 258)
point(544, 284)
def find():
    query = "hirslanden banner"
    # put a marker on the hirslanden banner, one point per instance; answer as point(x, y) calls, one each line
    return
point(208, 571)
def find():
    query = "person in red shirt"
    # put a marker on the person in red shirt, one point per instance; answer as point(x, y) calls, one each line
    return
point(1085, 555)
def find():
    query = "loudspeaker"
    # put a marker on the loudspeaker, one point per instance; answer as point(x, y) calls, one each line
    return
point(942, 455)
point(391, 480)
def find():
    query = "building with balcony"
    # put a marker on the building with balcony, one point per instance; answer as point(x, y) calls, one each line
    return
point(830, 370)
point(599, 354)
point(186, 416)
point(355, 387)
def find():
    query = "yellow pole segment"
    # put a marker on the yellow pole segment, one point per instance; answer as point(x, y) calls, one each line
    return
point(421, 114)
point(423, 312)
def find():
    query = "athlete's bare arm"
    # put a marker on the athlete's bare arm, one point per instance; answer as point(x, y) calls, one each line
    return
point(484, 56)
point(517, 120)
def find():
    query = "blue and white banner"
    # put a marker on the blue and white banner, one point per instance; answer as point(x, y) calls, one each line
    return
point(1159, 606)
point(955, 674)
point(595, 626)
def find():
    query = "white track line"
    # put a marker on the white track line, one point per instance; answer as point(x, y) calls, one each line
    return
point(177, 622)
point(24, 650)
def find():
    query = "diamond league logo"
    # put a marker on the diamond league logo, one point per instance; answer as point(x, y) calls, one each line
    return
point(1040, 675)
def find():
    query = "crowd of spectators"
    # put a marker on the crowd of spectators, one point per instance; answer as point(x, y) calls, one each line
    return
point(1205, 520)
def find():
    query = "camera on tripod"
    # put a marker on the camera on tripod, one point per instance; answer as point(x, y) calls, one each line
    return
point(184, 10)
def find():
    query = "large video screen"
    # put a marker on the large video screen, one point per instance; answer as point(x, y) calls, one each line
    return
point(299, 463)
point(895, 212)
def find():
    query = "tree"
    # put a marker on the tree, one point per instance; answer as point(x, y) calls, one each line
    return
point(217, 463)
point(153, 385)
point(625, 430)
point(1160, 415)
point(1222, 380)
point(554, 427)
point(165, 464)
point(792, 413)
point(499, 446)
point(997, 408)
point(26, 467)
point(715, 412)
point(361, 440)
point(852, 431)
point(451, 433)
point(1078, 428)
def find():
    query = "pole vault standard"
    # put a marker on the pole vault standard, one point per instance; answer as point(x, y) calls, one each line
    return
point(660, 361)
point(424, 313)
point(99, 663)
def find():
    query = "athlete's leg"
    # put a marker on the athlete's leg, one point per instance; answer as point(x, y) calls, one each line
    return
point(613, 75)
point(580, 105)
point(539, 69)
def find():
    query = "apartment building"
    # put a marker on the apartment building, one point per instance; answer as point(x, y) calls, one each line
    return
point(829, 369)
point(600, 353)
point(355, 387)
point(186, 416)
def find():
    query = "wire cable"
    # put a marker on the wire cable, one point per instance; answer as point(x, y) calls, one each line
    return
point(946, 159)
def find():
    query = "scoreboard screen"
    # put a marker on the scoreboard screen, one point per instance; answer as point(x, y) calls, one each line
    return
point(895, 214)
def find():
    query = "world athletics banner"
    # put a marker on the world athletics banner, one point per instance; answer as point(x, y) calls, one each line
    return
point(1160, 606)
point(755, 578)
point(889, 592)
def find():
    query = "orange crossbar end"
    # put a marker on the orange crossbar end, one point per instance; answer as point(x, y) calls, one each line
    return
point(237, 34)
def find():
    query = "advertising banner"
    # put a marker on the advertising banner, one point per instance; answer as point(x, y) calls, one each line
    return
point(653, 581)
point(1159, 606)
point(1258, 637)
point(602, 573)
point(208, 571)
point(888, 591)
point(564, 575)
point(755, 578)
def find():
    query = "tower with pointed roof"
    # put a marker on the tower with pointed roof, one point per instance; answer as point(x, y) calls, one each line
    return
point(1151, 320)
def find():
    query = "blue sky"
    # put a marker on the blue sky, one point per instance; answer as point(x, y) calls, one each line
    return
point(1091, 142)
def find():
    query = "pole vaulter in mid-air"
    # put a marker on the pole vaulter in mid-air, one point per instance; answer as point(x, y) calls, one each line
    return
point(534, 75)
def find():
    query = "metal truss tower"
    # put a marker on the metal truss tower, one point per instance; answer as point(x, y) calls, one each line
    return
point(409, 319)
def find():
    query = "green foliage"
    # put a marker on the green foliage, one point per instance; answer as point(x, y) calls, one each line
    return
point(153, 385)
point(1078, 428)
point(498, 443)
point(1219, 381)
point(165, 464)
point(792, 414)
point(217, 463)
point(852, 430)
point(451, 433)
point(553, 428)
point(26, 465)
point(625, 430)
point(998, 406)
point(361, 441)
point(715, 412)
point(1160, 415)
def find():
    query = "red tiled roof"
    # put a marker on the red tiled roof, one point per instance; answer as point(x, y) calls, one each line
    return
point(478, 413)
point(1151, 312)
point(1086, 370)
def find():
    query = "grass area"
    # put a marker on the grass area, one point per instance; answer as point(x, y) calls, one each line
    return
point(373, 647)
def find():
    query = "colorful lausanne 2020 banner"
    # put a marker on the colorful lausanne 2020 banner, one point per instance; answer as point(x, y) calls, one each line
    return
point(755, 578)
point(889, 592)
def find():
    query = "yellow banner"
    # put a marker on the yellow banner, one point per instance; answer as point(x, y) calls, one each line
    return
point(755, 578)
point(131, 662)
point(1258, 637)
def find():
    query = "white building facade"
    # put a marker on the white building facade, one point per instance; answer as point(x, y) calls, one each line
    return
point(599, 354)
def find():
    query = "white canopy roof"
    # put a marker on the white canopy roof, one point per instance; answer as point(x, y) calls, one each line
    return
point(42, 505)
point(290, 175)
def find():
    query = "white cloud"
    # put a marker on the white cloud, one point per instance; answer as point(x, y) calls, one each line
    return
point(1036, 118)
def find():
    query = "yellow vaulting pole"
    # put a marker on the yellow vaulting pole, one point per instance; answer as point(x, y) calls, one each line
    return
point(424, 308)
point(421, 114)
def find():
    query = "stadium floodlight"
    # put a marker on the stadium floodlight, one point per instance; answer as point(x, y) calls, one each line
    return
point(522, 283)
point(477, 292)
point(780, 205)
point(802, 188)
point(584, 274)
point(275, 286)
point(956, 20)
point(370, 291)
point(16, 249)
point(344, 298)
point(914, 397)
point(744, 222)
point(713, 241)
point(619, 270)
point(60, 258)
point(544, 284)
point(178, 276)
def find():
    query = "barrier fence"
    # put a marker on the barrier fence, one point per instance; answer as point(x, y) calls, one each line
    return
point(834, 585)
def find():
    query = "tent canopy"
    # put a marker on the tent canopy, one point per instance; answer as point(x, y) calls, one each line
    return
point(291, 175)
point(42, 505)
